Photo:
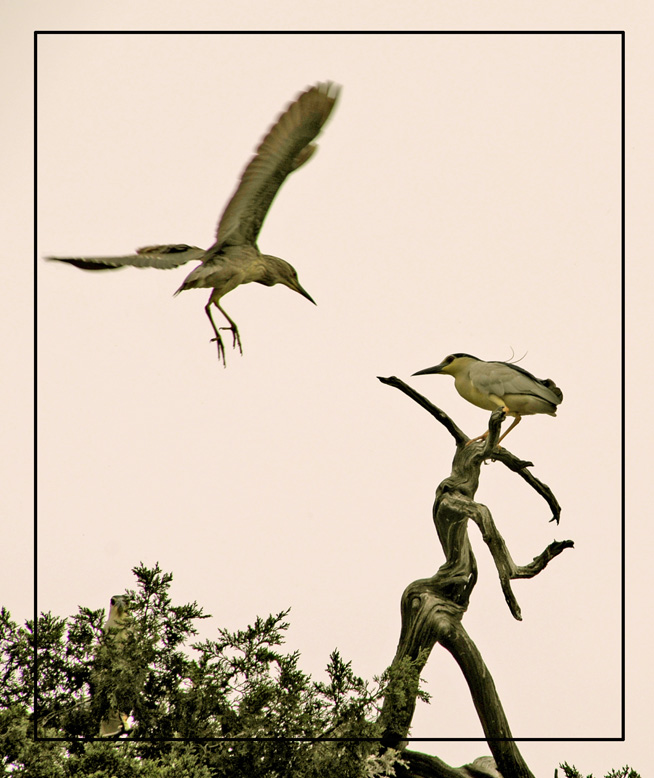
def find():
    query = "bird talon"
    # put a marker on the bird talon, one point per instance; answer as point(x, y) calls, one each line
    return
point(221, 349)
point(236, 338)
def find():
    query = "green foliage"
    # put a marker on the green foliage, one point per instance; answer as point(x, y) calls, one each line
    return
point(241, 686)
point(570, 771)
point(194, 708)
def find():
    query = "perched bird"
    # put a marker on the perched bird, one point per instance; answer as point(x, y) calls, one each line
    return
point(118, 615)
point(115, 626)
point(234, 258)
point(492, 385)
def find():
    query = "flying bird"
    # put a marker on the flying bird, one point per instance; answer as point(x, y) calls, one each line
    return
point(492, 385)
point(234, 258)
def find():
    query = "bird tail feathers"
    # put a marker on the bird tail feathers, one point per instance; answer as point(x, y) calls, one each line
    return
point(553, 388)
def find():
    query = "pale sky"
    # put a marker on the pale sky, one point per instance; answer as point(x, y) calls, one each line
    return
point(465, 197)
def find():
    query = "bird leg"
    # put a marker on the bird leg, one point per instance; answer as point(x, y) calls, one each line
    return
point(232, 326)
point(516, 421)
point(217, 339)
point(485, 434)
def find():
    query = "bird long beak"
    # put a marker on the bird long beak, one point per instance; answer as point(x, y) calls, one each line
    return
point(297, 288)
point(430, 370)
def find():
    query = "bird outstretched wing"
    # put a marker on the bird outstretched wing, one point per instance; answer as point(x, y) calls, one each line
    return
point(503, 379)
point(162, 257)
point(286, 147)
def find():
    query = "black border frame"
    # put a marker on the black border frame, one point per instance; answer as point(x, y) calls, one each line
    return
point(621, 33)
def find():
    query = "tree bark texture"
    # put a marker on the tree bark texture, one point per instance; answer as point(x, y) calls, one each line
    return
point(432, 608)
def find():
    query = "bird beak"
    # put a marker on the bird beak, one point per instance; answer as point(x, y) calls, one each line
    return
point(297, 288)
point(430, 370)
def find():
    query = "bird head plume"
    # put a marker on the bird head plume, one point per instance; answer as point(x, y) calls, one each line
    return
point(512, 361)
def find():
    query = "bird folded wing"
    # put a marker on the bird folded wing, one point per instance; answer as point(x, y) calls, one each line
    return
point(503, 379)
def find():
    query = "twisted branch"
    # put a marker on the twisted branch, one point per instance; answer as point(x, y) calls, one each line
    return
point(432, 608)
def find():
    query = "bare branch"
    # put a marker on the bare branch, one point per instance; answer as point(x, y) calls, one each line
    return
point(459, 436)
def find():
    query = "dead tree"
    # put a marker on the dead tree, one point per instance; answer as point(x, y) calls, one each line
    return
point(432, 608)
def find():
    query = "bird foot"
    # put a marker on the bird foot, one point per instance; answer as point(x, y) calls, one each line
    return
point(236, 338)
point(221, 349)
point(479, 437)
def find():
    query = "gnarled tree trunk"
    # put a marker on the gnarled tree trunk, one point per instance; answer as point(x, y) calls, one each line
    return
point(432, 608)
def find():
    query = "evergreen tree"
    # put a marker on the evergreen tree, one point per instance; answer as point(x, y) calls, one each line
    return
point(235, 706)
point(183, 700)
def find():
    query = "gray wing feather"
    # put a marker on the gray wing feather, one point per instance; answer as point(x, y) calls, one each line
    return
point(502, 379)
point(286, 147)
point(161, 257)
